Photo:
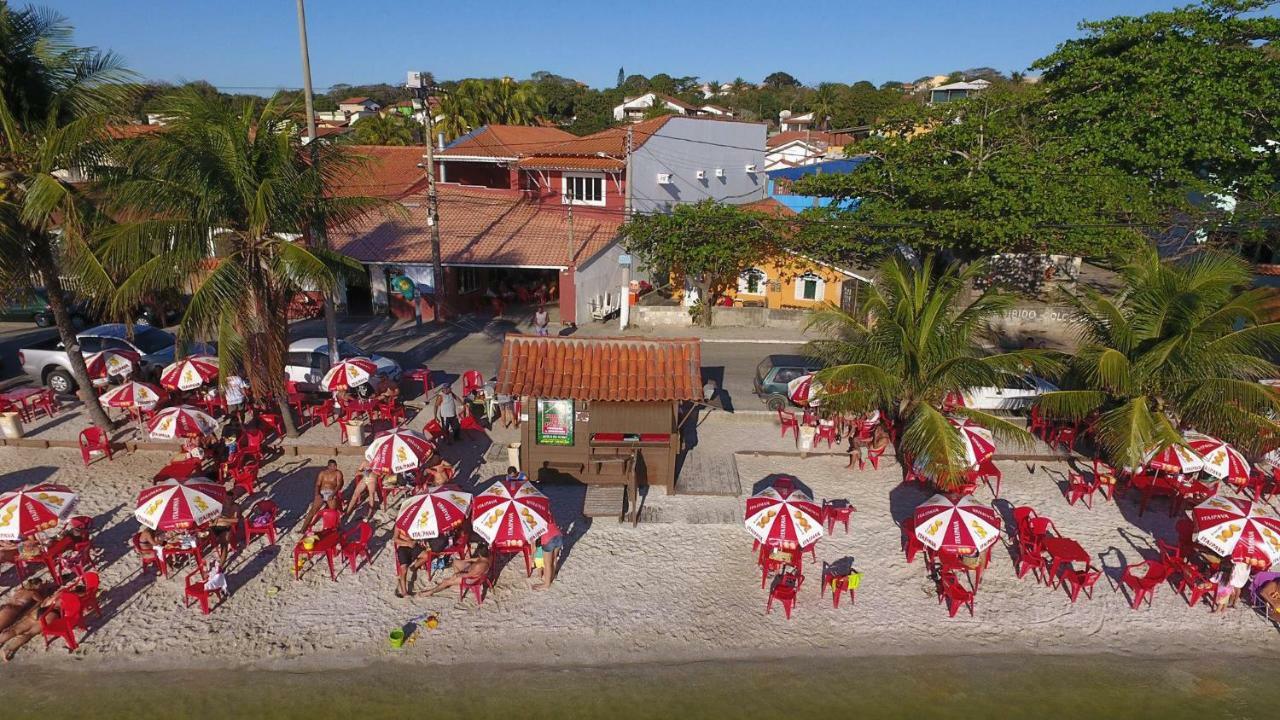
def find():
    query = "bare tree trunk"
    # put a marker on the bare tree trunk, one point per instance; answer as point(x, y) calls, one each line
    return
point(67, 333)
point(286, 414)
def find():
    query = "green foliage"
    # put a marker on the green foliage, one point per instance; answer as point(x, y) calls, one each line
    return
point(1186, 99)
point(918, 341)
point(475, 103)
point(389, 129)
point(709, 243)
point(1184, 346)
point(778, 80)
point(239, 176)
point(982, 176)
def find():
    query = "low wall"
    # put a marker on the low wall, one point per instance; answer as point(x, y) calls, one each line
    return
point(1035, 320)
point(678, 316)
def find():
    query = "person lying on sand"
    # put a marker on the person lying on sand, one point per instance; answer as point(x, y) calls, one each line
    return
point(32, 592)
point(27, 626)
point(473, 568)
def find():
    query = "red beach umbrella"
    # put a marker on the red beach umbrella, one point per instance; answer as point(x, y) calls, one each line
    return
point(510, 513)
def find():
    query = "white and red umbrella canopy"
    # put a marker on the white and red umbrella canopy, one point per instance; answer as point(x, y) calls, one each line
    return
point(111, 362)
point(793, 520)
point(510, 513)
point(979, 445)
point(182, 421)
point(431, 514)
point(399, 450)
point(1240, 529)
point(1176, 459)
point(963, 525)
point(1221, 459)
point(132, 394)
point(34, 508)
point(190, 373)
point(180, 504)
point(348, 374)
point(805, 390)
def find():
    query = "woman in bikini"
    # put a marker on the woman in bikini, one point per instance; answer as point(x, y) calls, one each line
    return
point(32, 592)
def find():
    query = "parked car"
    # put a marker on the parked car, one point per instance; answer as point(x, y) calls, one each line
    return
point(308, 360)
point(47, 361)
point(1016, 394)
point(82, 314)
point(775, 371)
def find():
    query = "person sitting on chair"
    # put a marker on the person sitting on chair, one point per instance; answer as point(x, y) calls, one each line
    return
point(328, 492)
point(472, 568)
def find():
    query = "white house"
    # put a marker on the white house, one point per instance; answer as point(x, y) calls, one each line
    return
point(788, 122)
point(804, 147)
point(633, 109)
point(351, 110)
point(957, 90)
point(715, 111)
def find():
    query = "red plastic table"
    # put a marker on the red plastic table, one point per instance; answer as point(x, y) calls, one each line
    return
point(179, 470)
point(23, 398)
point(1064, 550)
point(326, 544)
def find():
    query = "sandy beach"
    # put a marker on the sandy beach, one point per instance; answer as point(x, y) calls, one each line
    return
point(683, 588)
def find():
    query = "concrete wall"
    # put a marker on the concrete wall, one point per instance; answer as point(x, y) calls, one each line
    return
point(678, 316)
point(598, 276)
point(686, 145)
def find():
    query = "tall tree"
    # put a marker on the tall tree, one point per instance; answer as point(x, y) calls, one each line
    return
point(980, 176)
point(622, 76)
point(708, 243)
point(226, 175)
point(476, 103)
point(1183, 346)
point(1186, 99)
point(55, 101)
point(779, 80)
point(917, 342)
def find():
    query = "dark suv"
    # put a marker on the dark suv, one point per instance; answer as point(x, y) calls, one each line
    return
point(775, 371)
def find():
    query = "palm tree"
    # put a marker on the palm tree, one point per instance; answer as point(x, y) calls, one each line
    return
point(823, 104)
point(55, 100)
point(738, 87)
point(390, 129)
point(476, 103)
point(1183, 346)
point(221, 195)
point(917, 345)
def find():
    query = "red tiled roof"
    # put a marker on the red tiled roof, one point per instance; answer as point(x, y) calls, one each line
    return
point(478, 226)
point(814, 136)
point(584, 153)
point(507, 141)
point(607, 369)
point(354, 101)
point(384, 171)
point(769, 206)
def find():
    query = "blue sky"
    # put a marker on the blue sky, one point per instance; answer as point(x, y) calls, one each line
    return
point(254, 43)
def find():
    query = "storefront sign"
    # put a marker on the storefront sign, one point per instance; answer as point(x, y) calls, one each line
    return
point(555, 422)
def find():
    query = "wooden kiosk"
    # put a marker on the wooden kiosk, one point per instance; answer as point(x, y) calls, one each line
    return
point(601, 411)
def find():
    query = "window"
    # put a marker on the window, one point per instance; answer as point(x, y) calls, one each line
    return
point(468, 280)
point(786, 375)
point(584, 189)
point(810, 287)
point(752, 282)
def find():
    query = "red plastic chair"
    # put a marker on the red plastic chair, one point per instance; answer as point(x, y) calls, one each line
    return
point(839, 582)
point(825, 432)
point(195, 591)
point(322, 413)
point(434, 430)
point(268, 507)
point(273, 422)
point(785, 590)
point(92, 441)
point(911, 544)
point(1030, 558)
point(471, 380)
point(1193, 586)
point(64, 626)
point(422, 375)
point(89, 596)
point(1143, 587)
point(1104, 477)
point(770, 564)
point(480, 586)
point(246, 476)
point(355, 542)
point(955, 594)
point(789, 422)
point(150, 557)
point(294, 397)
point(833, 513)
point(1077, 580)
point(251, 442)
point(1080, 488)
point(1039, 424)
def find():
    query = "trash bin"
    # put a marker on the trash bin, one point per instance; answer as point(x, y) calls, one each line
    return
point(355, 433)
point(513, 455)
point(11, 425)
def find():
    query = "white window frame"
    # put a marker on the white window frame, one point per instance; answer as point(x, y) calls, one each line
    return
point(819, 289)
point(763, 283)
point(565, 178)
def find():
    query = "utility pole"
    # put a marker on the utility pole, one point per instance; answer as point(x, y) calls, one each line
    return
point(624, 299)
point(420, 82)
point(317, 226)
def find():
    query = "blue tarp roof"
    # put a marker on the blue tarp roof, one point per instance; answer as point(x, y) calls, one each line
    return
point(828, 167)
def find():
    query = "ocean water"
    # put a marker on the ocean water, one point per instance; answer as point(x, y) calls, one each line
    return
point(895, 687)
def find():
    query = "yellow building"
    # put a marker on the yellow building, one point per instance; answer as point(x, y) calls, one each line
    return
point(796, 282)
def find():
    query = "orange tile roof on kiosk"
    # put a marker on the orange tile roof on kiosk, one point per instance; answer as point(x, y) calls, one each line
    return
point(604, 369)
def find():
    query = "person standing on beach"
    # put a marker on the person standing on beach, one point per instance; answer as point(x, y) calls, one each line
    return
point(234, 392)
point(551, 543)
point(447, 412)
